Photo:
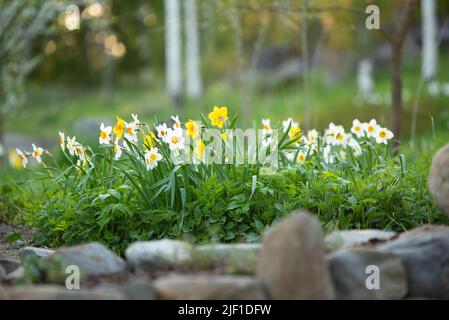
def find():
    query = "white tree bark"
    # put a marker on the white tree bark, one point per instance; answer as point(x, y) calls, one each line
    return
point(429, 39)
point(365, 81)
point(173, 48)
point(193, 74)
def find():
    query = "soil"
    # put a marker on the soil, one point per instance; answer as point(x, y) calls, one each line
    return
point(11, 250)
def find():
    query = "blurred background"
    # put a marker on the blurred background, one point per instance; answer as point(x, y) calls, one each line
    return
point(70, 65)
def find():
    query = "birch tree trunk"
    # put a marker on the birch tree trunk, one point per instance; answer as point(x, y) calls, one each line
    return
point(193, 74)
point(429, 39)
point(173, 49)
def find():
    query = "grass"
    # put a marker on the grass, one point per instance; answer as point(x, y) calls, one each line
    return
point(53, 108)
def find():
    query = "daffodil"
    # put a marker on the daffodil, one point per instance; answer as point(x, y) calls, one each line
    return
point(62, 140)
point(22, 158)
point(80, 152)
point(135, 119)
point(312, 136)
point(130, 131)
point(175, 139)
point(81, 165)
point(176, 122)
point(327, 156)
point(301, 158)
point(192, 128)
point(152, 158)
point(119, 128)
point(358, 128)
point(266, 127)
point(105, 134)
point(382, 135)
point(162, 131)
point(294, 132)
point(287, 123)
point(37, 153)
point(71, 144)
point(149, 140)
point(14, 159)
point(340, 136)
point(355, 147)
point(200, 147)
point(371, 128)
point(117, 150)
point(219, 116)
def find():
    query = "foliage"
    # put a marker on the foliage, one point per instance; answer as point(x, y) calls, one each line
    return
point(117, 195)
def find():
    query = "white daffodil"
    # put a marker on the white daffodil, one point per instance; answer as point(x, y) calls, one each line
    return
point(162, 131)
point(105, 134)
point(287, 123)
point(37, 153)
point(22, 158)
point(62, 140)
point(175, 139)
point(358, 128)
point(290, 156)
point(382, 135)
point(117, 150)
point(266, 142)
point(312, 136)
point(340, 136)
point(371, 128)
point(355, 147)
point(327, 156)
point(176, 122)
point(266, 127)
point(301, 158)
point(71, 145)
point(329, 133)
point(80, 151)
point(135, 119)
point(152, 158)
point(130, 131)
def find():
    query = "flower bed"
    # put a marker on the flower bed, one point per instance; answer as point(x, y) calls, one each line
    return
point(189, 180)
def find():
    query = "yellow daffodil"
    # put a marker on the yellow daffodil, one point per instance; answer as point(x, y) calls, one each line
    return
point(294, 132)
point(149, 140)
point(119, 128)
point(22, 158)
point(218, 116)
point(224, 136)
point(192, 128)
point(200, 147)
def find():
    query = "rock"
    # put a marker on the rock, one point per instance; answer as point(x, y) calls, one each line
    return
point(351, 238)
point(138, 289)
point(93, 259)
point(240, 258)
point(159, 254)
point(439, 178)
point(39, 252)
point(15, 275)
point(9, 264)
point(292, 263)
point(2, 273)
point(54, 292)
point(198, 287)
point(426, 259)
point(349, 273)
point(3, 293)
